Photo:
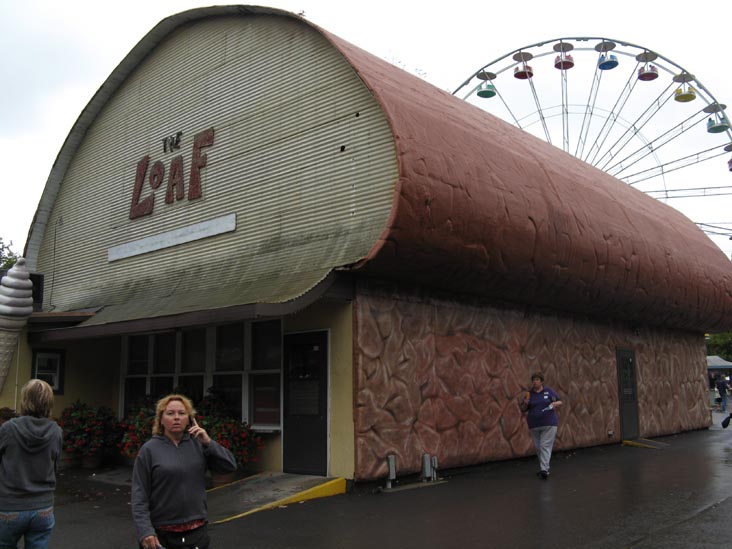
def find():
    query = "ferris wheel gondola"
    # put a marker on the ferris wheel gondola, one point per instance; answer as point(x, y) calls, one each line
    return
point(621, 107)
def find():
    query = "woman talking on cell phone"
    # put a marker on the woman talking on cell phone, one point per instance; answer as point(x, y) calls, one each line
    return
point(168, 479)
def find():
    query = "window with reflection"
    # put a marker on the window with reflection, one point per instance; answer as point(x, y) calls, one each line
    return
point(230, 348)
point(267, 345)
point(138, 355)
point(135, 393)
point(160, 386)
point(265, 377)
point(191, 386)
point(49, 366)
point(244, 365)
point(229, 387)
point(164, 357)
point(194, 351)
point(265, 399)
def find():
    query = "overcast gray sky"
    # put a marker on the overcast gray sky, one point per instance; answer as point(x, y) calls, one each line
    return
point(56, 54)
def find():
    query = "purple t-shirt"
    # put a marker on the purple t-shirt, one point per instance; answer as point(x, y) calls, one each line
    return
point(539, 415)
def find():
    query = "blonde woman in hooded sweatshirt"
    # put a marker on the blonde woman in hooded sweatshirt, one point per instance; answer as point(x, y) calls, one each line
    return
point(30, 447)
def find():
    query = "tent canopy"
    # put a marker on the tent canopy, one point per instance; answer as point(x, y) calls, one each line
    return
point(715, 362)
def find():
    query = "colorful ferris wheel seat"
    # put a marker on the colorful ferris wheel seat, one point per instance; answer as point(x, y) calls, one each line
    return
point(486, 90)
point(563, 62)
point(524, 72)
point(717, 126)
point(647, 73)
point(607, 62)
point(684, 95)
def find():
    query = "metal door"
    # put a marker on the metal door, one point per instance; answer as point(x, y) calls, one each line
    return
point(305, 423)
point(628, 394)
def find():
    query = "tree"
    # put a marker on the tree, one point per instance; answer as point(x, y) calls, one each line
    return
point(7, 256)
point(720, 345)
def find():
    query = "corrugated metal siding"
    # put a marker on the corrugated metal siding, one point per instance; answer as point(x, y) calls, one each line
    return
point(283, 103)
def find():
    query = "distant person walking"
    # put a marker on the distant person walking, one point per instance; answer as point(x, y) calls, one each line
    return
point(168, 479)
point(723, 388)
point(30, 447)
point(540, 405)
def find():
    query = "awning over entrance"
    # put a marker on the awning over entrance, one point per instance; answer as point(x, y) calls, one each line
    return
point(284, 295)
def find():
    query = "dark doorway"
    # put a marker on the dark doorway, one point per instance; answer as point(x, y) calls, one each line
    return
point(628, 394)
point(305, 424)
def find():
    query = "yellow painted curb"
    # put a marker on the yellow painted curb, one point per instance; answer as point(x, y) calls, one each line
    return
point(655, 441)
point(330, 488)
point(638, 444)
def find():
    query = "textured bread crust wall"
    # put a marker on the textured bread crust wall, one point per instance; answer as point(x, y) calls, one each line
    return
point(442, 377)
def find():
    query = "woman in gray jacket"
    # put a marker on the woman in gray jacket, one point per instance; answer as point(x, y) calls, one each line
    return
point(168, 480)
point(30, 447)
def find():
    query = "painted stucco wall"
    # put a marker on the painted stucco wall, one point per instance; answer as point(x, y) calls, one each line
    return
point(270, 458)
point(92, 373)
point(18, 374)
point(443, 377)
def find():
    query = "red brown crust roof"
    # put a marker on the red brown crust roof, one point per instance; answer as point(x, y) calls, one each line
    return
point(484, 208)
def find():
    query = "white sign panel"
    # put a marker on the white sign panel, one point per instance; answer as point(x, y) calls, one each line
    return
point(190, 233)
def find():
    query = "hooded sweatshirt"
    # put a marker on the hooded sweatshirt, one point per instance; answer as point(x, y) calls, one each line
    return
point(168, 481)
point(29, 451)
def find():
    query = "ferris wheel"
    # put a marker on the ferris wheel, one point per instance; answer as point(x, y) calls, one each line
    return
point(623, 108)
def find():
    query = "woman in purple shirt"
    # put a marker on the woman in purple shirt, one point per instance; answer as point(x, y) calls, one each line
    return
point(540, 405)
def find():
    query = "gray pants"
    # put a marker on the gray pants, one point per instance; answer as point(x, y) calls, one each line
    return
point(543, 438)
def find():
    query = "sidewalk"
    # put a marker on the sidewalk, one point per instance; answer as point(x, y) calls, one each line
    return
point(91, 501)
point(604, 497)
point(677, 495)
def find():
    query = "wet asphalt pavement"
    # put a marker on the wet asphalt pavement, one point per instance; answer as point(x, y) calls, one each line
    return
point(679, 495)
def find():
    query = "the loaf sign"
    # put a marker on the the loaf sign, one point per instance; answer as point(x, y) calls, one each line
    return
point(155, 175)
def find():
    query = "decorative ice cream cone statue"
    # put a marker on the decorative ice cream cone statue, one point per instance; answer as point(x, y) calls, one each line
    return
point(16, 305)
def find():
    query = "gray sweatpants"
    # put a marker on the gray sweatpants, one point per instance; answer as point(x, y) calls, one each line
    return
point(543, 438)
